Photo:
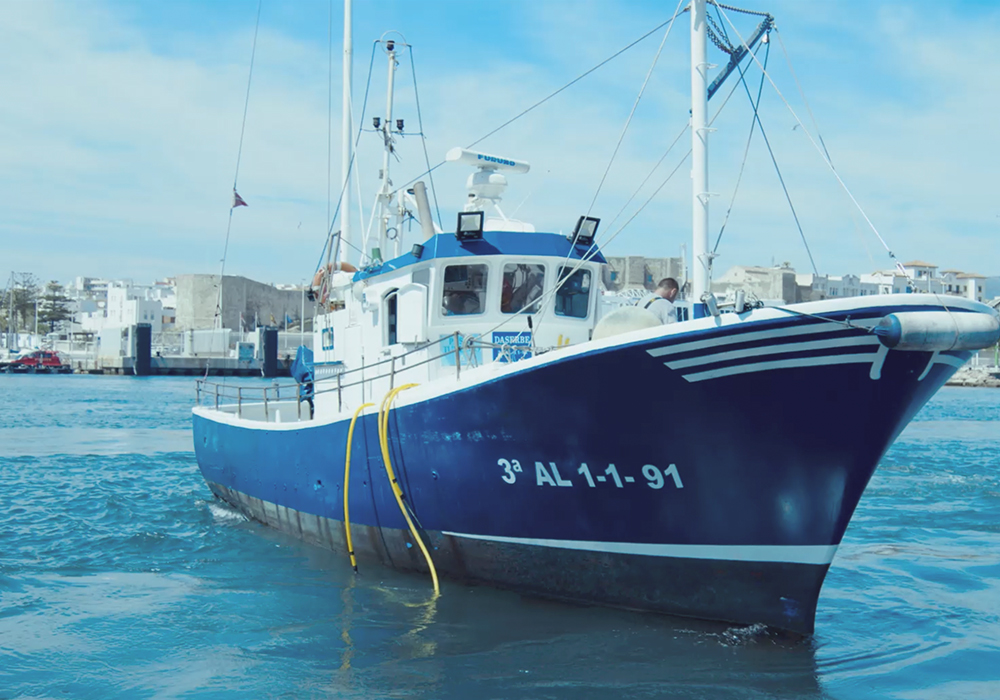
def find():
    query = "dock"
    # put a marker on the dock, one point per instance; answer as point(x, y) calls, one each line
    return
point(191, 367)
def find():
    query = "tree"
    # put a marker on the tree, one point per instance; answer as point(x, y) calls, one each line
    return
point(20, 298)
point(53, 306)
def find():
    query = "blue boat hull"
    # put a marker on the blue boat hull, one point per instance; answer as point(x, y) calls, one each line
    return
point(674, 475)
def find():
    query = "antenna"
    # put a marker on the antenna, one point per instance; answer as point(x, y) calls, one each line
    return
point(486, 185)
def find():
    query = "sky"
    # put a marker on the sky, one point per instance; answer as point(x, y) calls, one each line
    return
point(120, 126)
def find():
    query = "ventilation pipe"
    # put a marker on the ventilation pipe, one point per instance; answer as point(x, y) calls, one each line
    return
point(424, 210)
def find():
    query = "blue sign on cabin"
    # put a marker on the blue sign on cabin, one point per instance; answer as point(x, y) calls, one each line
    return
point(516, 346)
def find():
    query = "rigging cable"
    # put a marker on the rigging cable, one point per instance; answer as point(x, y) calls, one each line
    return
point(635, 105)
point(329, 115)
point(423, 139)
point(553, 94)
point(774, 160)
point(594, 249)
point(598, 244)
point(350, 169)
point(746, 152)
point(802, 94)
point(239, 150)
point(819, 150)
point(621, 138)
point(239, 156)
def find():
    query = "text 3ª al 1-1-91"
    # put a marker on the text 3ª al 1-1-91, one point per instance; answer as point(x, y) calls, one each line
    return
point(550, 475)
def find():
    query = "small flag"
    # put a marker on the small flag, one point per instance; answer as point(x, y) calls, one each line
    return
point(238, 200)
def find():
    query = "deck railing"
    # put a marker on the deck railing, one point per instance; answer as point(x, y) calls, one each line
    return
point(219, 395)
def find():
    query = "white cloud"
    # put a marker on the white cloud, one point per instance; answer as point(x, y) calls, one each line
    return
point(116, 157)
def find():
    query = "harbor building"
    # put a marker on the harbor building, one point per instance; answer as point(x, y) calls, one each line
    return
point(635, 272)
point(783, 285)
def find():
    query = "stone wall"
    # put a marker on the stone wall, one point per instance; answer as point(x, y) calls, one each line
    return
point(197, 296)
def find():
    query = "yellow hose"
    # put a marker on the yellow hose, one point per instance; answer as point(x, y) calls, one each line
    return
point(347, 480)
point(383, 436)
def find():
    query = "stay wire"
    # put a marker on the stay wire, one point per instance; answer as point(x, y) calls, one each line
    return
point(746, 151)
point(423, 139)
point(802, 94)
point(239, 152)
point(621, 137)
point(826, 160)
point(656, 167)
point(350, 167)
point(553, 94)
point(595, 249)
point(239, 155)
point(635, 106)
point(329, 114)
point(781, 179)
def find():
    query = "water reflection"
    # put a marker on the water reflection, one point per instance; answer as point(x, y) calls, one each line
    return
point(395, 639)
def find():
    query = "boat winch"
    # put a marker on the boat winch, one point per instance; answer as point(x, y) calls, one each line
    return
point(938, 331)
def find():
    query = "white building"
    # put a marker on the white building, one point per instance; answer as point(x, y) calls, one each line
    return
point(886, 282)
point(814, 287)
point(128, 305)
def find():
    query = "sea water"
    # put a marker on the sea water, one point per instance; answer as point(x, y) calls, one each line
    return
point(122, 577)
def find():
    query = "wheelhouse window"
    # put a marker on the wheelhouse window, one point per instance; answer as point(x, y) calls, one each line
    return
point(522, 288)
point(464, 290)
point(573, 297)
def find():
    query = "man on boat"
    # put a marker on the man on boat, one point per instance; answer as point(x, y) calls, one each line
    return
point(661, 300)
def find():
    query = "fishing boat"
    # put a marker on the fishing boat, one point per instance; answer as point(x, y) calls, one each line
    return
point(472, 415)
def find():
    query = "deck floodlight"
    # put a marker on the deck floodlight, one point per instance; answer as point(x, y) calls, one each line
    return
point(417, 251)
point(376, 122)
point(586, 229)
point(470, 226)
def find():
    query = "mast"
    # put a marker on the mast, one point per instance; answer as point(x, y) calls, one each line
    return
point(385, 193)
point(347, 146)
point(699, 157)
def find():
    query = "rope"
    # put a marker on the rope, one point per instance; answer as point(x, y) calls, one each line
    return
point(846, 322)
point(819, 150)
point(553, 94)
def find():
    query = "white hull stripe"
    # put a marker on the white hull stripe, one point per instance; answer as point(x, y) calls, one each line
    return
point(793, 554)
point(821, 361)
point(773, 350)
point(948, 360)
point(807, 329)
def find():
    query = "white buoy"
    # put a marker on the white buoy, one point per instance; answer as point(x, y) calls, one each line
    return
point(625, 320)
